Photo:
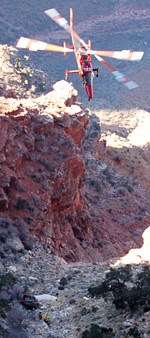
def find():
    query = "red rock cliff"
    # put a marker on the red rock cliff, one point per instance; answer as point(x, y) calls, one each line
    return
point(42, 166)
point(53, 176)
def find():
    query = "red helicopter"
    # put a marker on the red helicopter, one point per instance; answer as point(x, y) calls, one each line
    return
point(83, 54)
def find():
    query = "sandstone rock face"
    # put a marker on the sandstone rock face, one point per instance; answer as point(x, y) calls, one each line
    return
point(42, 166)
point(85, 197)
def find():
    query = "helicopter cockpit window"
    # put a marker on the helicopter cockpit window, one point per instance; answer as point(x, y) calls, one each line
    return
point(84, 57)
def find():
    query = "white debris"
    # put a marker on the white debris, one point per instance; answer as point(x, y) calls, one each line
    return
point(45, 298)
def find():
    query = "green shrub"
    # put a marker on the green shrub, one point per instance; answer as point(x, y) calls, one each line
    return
point(97, 331)
point(137, 297)
point(134, 332)
point(114, 280)
point(23, 204)
point(7, 280)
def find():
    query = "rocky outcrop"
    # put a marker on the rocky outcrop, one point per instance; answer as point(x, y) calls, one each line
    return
point(42, 166)
point(17, 77)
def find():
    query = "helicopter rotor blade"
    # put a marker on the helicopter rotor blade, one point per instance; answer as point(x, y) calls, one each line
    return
point(118, 75)
point(127, 55)
point(35, 45)
point(121, 55)
point(54, 15)
point(62, 22)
